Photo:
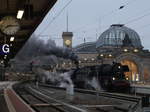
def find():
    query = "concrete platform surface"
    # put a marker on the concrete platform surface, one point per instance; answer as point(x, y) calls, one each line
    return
point(3, 105)
point(141, 88)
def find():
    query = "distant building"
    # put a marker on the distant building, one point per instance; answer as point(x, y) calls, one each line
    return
point(67, 39)
point(120, 44)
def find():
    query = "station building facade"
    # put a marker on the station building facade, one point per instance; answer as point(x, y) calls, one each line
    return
point(117, 44)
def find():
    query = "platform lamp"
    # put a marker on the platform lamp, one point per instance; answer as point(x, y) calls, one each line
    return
point(12, 39)
point(100, 57)
point(20, 13)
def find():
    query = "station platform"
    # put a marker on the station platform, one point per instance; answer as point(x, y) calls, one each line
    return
point(3, 105)
point(11, 102)
point(4, 84)
point(16, 104)
point(141, 88)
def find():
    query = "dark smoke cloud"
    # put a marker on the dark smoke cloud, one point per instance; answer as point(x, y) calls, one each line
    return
point(38, 49)
point(45, 60)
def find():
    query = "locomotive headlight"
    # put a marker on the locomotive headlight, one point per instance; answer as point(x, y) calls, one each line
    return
point(114, 78)
point(119, 67)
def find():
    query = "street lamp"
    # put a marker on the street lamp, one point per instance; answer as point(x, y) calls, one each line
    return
point(121, 7)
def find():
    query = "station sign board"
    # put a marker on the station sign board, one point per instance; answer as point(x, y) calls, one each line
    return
point(4, 49)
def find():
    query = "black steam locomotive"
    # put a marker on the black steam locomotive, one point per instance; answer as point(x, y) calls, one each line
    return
point(109, 77)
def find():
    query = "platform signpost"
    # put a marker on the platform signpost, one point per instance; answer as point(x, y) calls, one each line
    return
point(4, 49)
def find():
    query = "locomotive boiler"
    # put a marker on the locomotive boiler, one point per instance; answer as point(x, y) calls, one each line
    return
point(108, 77)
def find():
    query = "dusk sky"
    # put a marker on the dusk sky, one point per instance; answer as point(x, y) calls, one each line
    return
point(89, 18)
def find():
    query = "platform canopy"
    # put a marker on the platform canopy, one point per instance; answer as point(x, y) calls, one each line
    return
point(34, 12)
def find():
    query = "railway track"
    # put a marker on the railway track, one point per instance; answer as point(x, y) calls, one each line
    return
point(137, 101)
point(41, 101)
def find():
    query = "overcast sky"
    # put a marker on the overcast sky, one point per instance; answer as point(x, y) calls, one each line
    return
point(89, 18)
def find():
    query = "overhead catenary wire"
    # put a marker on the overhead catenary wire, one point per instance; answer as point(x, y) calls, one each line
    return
point(130, 2)
point(119, 8)
point(138, 18)
point(51, 36)
point(144, 26)
point(113, 11)
point(54, 18)
point(109, 13)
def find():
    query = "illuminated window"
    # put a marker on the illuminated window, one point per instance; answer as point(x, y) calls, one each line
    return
point(101, 55)
point(110, 55)
point(85, 59)
point(125, 50)
point(92, 59)
point(136, 50)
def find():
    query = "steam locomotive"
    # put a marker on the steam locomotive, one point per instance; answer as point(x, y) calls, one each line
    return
point(109, 77)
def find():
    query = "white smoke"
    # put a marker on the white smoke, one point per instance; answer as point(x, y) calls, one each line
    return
point(94, 83)
point(60, 79)
point(66, 78)
point(54, 76)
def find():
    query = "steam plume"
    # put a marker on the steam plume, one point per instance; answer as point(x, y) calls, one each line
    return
point(39, 49)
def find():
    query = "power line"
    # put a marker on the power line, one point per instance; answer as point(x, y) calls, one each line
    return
point(110, 13)
point(51, 36)
point(138, 18)
point(137, 14)
point(130, 2)
point(54, 18)
point(119, 8)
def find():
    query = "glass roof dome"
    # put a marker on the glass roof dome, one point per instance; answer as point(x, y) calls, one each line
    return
point(119, 35)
